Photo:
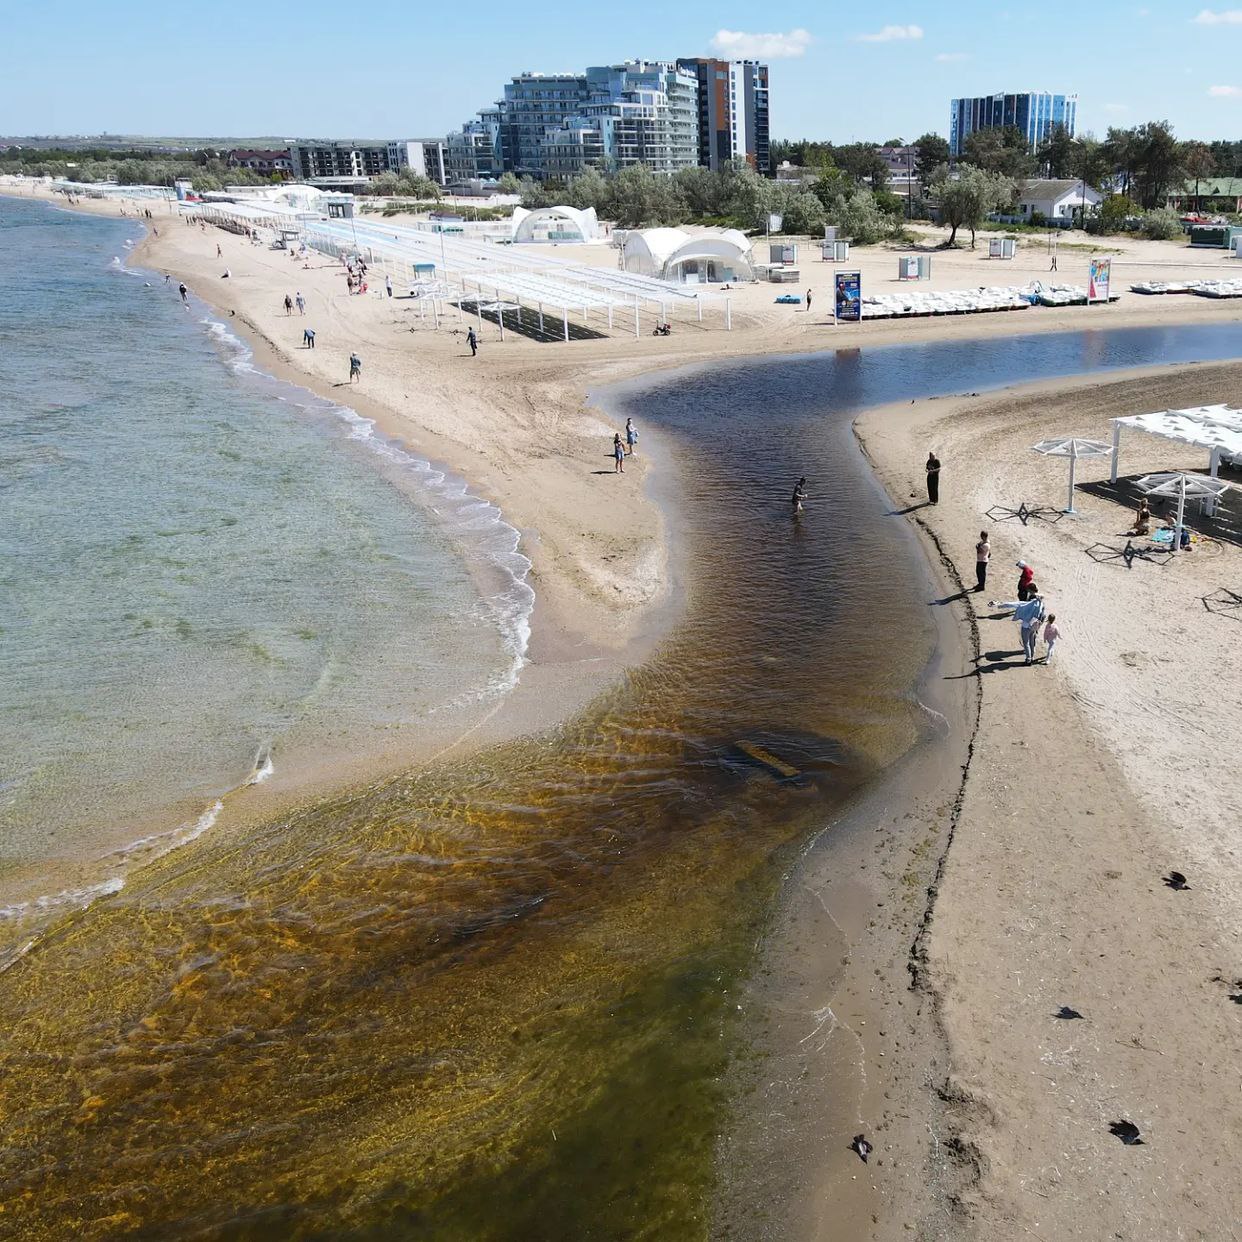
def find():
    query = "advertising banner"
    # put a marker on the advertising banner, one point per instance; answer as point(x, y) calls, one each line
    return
point(847, 296)
point(1098, 281)
point(994, 248)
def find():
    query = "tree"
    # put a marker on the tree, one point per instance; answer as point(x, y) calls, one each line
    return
point(931, 151)
point(967, 198)
point(701, 189)
point(1158, 166)
point(509, 184)
point(1121, 151)
point(639, 198)
point(744, 194)
point(1056, 153)
point(1089, 162)
point(587, 189)
point(863, 162)
point(999, 149)
point(416, 185)
point(1199, 163)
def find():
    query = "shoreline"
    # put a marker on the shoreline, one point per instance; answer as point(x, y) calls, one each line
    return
point(1010, 1130)
point(565, 641)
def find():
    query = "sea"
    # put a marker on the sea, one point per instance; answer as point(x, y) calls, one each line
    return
point(208, 578)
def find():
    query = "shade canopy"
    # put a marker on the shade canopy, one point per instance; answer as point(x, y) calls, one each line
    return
point(1072, 447)
point(1188, 486)
point(1217, 428)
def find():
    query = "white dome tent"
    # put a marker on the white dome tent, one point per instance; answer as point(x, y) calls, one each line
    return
point(555, 224)
point(671, 254)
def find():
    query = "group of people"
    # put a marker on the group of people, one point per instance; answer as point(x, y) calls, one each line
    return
point(623, 449)
point(356, 276)
point(1028, 609)
point(297, 300)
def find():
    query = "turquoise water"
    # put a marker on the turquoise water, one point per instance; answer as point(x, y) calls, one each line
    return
point(204, 574)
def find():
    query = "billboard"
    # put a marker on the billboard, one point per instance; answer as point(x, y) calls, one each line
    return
point(1098, 280)
point(847, 296)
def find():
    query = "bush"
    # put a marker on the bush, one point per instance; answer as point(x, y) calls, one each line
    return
point(860, 219)
point(1162, 224)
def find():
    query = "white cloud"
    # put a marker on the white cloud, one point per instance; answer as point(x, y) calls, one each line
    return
point(740, 45)
point(946, 58)
point(891, 34)
point(1226, 17)
point(1225, 92)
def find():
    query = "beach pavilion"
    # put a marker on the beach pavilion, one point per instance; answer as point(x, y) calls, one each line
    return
point(1216, 428)
point(674, 255)
point(555, 224)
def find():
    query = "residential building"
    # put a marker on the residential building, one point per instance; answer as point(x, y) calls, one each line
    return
point(424, 156)
point(1055, 200)
point(733, 112)
point(1208, 194)
point(609, 117)
point(265, 163)
point(356, 160)
point(1033, 112)
point(900, 162)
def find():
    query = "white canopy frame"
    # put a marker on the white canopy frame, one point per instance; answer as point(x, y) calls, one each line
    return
point(1072, 447)
point(1217, 428)
point(1184, 487)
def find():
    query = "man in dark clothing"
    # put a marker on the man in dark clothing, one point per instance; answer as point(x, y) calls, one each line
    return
point(473, 342)
point(933, 478)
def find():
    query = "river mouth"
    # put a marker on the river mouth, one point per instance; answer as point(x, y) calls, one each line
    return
point(494, 998)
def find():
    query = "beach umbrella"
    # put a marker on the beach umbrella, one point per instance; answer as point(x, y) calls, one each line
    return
point(1073, 448)
point(1184, 487)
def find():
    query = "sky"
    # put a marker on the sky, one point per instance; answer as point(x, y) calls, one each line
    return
point(412, 69)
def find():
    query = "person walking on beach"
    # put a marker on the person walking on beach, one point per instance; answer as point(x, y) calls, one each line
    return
point(808, 301)
point(618, 454)
point(631, 436)
point(308, 337)
point(1028, 613)
point(288, 305)
point(183, 291)
point(473, 342)
point(1026, 580)
point(388, 285)
point(983, 554)
point(799, 496)
point(933, 479)
point(300, 302)
point(355, 368)
point(219, 252)
point(1051, 634)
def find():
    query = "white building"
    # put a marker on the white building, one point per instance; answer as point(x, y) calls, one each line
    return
point(1055, 200)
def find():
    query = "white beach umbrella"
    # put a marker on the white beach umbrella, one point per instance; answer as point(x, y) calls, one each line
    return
point(1073, 448)
point(1184, 487)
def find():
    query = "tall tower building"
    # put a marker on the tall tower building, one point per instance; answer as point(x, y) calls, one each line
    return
point(733, 112)
point(1033, 112)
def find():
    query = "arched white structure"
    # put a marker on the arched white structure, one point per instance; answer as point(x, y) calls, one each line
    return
point(555, 224)
point(706, 258)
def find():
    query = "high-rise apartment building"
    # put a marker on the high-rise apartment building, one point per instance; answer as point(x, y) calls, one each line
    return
point(609, 117)
point(1034, 113)
point(733, 112)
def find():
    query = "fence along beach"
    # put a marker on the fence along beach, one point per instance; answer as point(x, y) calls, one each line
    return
point(573, 577)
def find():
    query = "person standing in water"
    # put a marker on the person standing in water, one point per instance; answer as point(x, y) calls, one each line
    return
point(933, 479)
point(799, 496)
point(631, 436)
point(183, 291)
point(983, 554)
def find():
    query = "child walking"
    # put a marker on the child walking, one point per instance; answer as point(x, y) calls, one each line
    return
point(1051, 634)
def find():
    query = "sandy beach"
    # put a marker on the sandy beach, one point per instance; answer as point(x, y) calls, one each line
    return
point(1037, 846)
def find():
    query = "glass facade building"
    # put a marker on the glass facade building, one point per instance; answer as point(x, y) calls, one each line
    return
point(614, 116)
point(1035, 113)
